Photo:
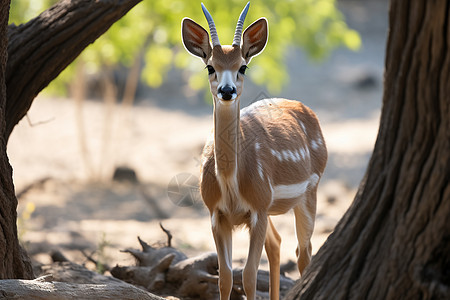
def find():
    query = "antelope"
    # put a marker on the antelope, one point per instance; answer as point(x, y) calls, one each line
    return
point(263, 160)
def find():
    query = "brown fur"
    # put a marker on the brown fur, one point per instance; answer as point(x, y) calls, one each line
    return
point(262, 161)
point(279, 131)
point(274, 125)
point(226, 58)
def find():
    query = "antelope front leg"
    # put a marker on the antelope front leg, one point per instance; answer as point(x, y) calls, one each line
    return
point(257, 237)
point(222, 232)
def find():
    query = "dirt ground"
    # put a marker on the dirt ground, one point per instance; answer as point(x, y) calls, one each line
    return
point(68, 201)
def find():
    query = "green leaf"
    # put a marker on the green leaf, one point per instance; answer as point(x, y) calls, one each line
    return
point(352, 40)
point(154, 29)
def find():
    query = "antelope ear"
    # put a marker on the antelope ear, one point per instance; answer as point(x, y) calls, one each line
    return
point(195, 39)
point(255, 38)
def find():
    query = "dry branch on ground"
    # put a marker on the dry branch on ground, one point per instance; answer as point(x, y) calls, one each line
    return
point(167, 271)
point(161, 270)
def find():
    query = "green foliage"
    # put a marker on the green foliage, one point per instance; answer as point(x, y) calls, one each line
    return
point(153, 28)
point(22, 11)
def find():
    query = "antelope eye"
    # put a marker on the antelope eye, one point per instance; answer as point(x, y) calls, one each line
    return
point(210, 69)
point(242, 69)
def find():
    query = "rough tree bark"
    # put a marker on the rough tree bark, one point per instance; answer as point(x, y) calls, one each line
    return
point(37, 52)
point(41, 289)
point(13, 261)
point(69, 281)
point(394, 241)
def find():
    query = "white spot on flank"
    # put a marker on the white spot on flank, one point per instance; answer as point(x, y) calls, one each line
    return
point(303, 126)
point(298, 156)
point(314, 145)
point(319, 139)
point(294, 190)
point(285, 154)
point(302, 153)
point(308, 154)
point(288, 155)
point(279, 156)
point(290, 191)
point(260, 168)
point(294, 156)
point(258, 161)
point(276, 154)
point(313, 180)
point(271, 190)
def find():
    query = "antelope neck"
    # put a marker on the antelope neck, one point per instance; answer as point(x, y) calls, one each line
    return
point(226, 137)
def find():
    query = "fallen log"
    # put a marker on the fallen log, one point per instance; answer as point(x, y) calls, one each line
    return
point(167, 271)
point(161, 270)
point(149, 256)
point(150, 278)
point(44, 288)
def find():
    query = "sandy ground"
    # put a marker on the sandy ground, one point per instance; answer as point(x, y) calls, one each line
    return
point(77, 205)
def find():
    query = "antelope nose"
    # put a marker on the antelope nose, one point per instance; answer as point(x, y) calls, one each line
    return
point(227, 91)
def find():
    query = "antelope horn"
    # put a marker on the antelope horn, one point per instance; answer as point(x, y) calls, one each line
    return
point(212, 27)
point(240, 26)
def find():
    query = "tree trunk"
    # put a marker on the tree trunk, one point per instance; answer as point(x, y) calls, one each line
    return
point(40, 49)
point(37, 52)
point(394, 241)
point(13, 260)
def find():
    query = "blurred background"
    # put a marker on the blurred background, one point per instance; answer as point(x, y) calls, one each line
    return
point(112, 147)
